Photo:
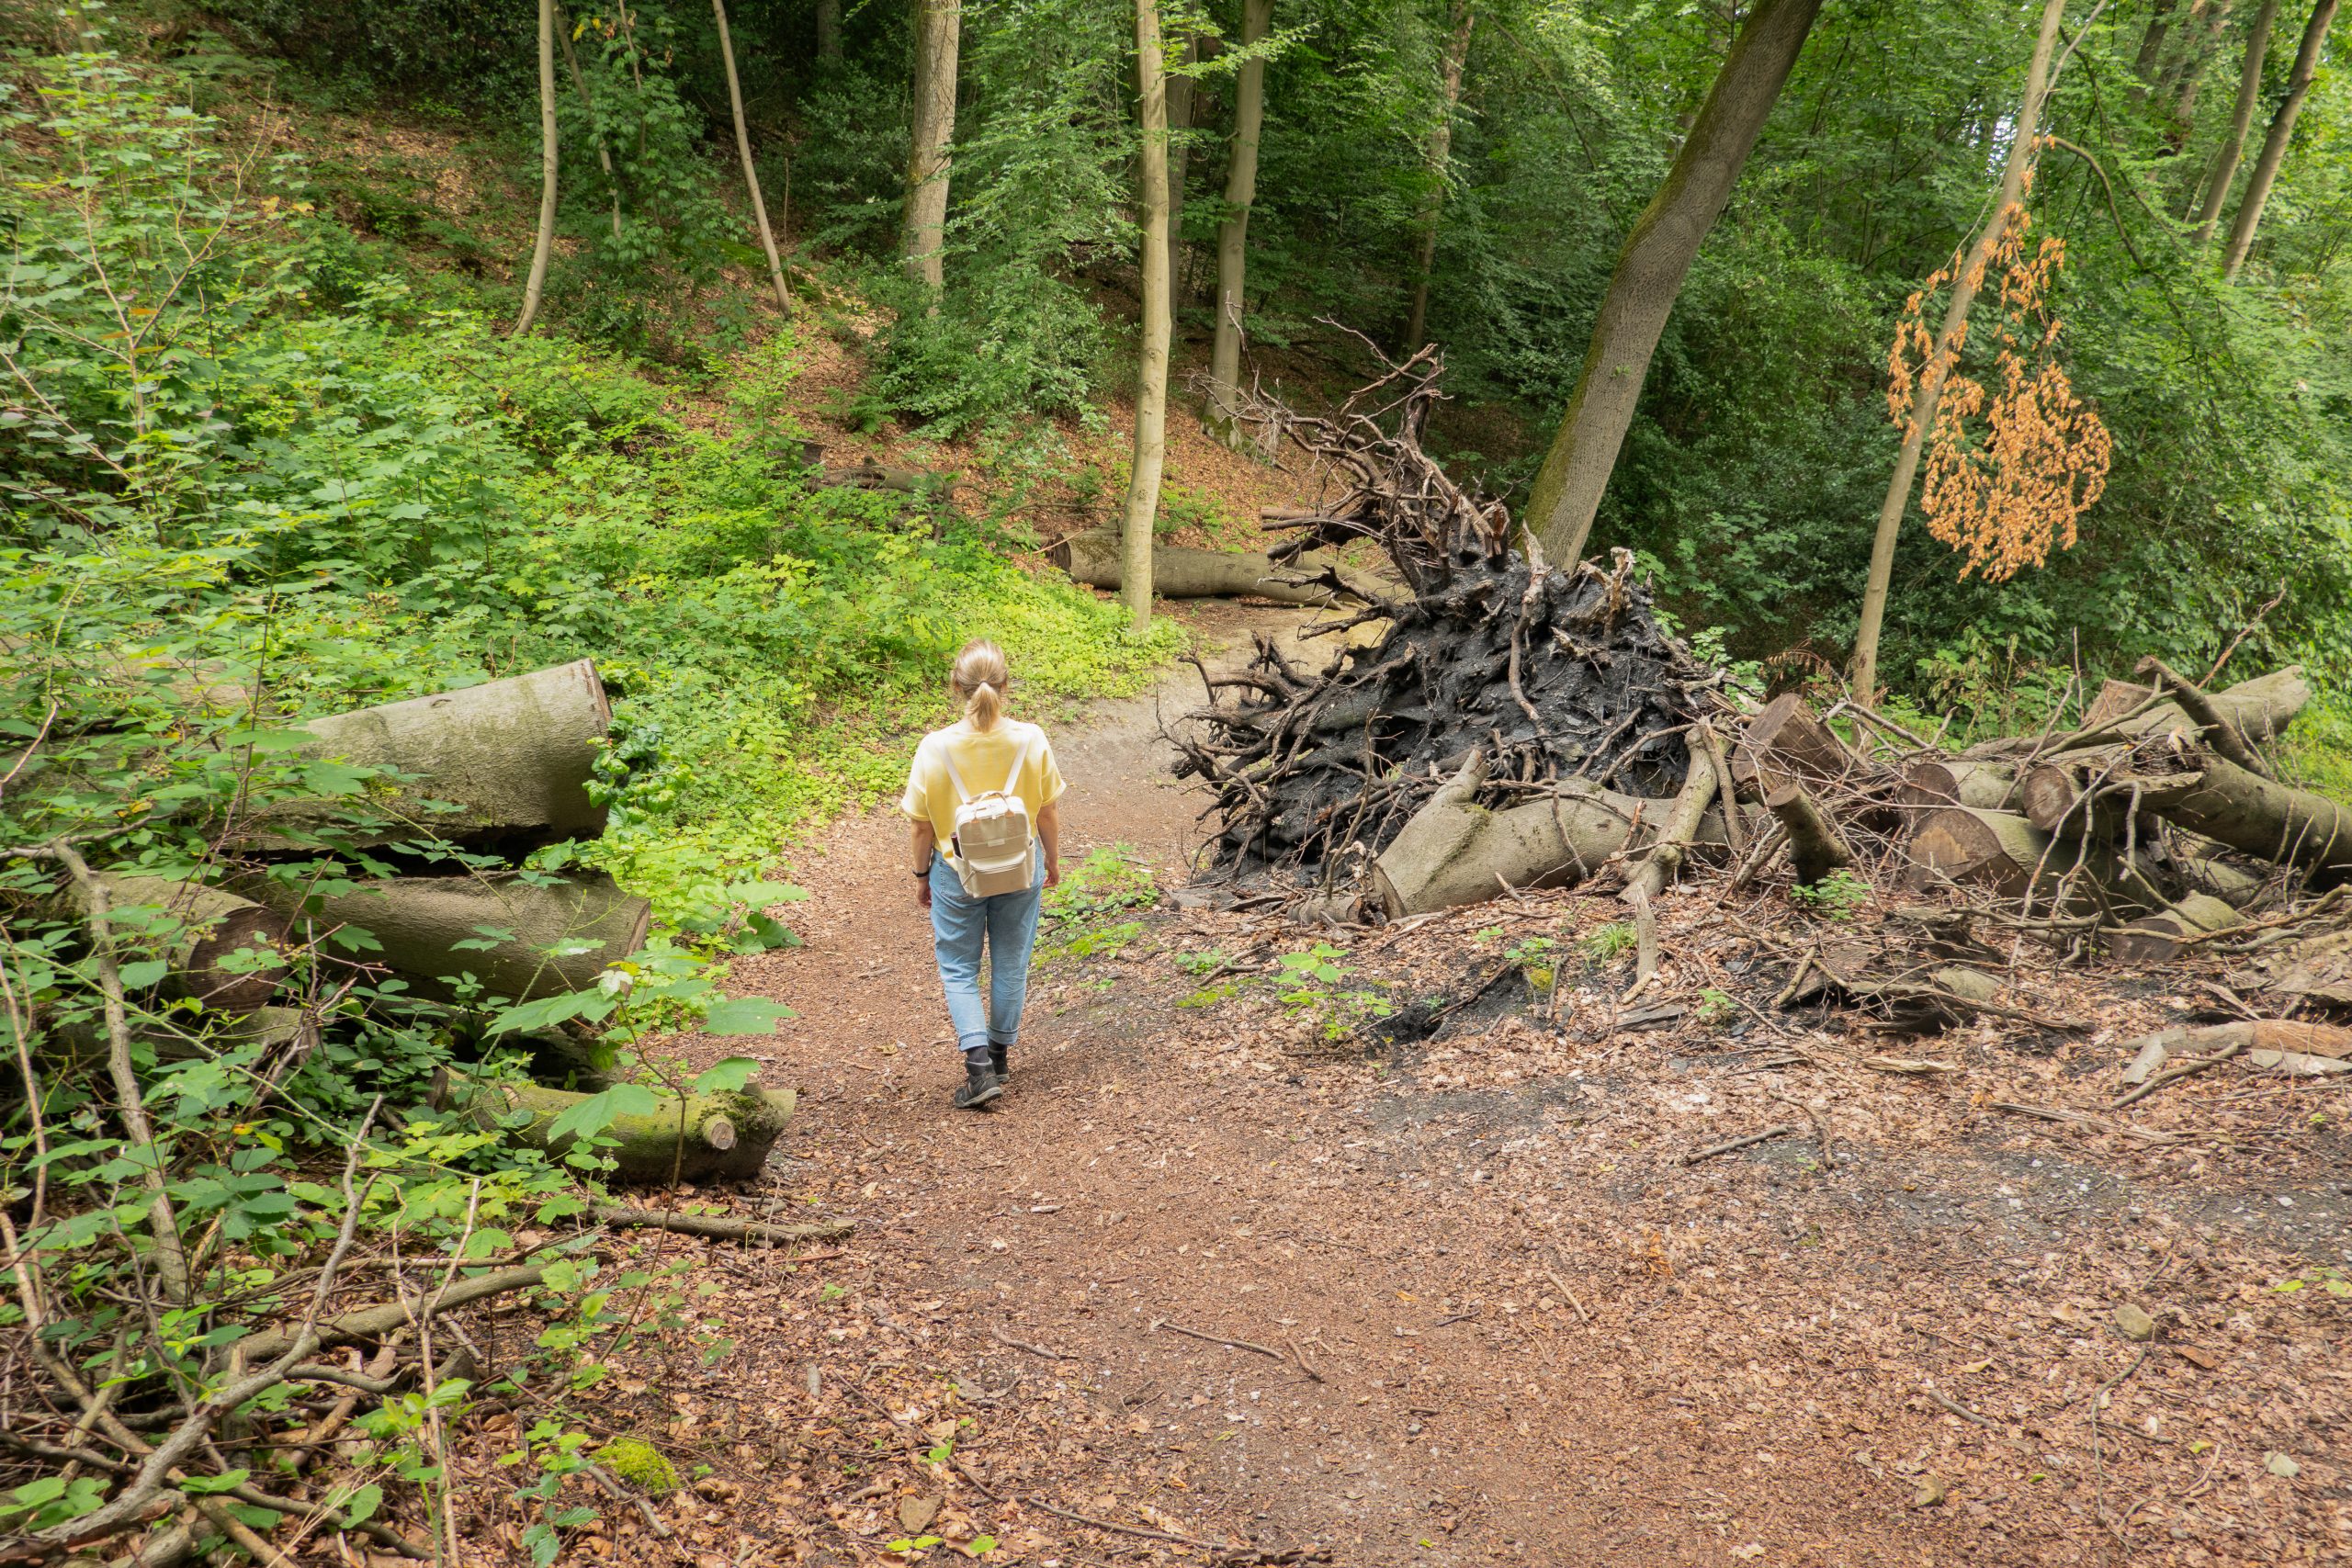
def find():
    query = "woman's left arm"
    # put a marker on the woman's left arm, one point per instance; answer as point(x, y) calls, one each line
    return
point(926, 840)
point(1049, 833)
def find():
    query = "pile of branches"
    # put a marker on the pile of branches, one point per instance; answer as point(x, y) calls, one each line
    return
point(1559, 679)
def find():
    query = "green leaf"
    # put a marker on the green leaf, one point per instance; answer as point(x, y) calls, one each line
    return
point(205, 1485)
point(745, 1015)
point(726, 1076)
point(596, 1112)
point(145, 973)
point(362, 1504)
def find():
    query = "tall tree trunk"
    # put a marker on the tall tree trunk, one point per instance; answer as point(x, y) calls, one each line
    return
point(2188, 75)
point(751, 170)
point(588, 102)
point(829, 31)
point(1440, 155)
point(535, 288)
point(938, 30)
point(1650, 269)
point(1233, 231)
point(1151, 370)
point(2145, 66)
point(2274, 145)
point(1181, 96)
point(1966, 280)
point(2226, 162)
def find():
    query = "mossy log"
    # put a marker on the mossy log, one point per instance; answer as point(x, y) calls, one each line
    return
point(512, 756)
point(695, 1137)
point(2264, 818)
point(1177, 572)
point(2153, 938)
point(1455, 852)
point(419, 921)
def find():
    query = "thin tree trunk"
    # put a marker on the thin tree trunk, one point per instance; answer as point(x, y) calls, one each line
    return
point(938, 30)
point(1965, 281)
point(829, 31)
point(1181, 95)
point(588, 102)
point(751, 170)
point(1152, 373)
point(2274, 145)
point(2197, 54)
point(1440, 155)
point(1650, 269)
point(1233, 231)
point(2226, 162)
point(535, 289)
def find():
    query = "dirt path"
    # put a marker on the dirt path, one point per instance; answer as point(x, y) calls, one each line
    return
point(1497, 1328)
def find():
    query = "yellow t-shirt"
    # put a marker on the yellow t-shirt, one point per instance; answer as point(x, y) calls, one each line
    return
point(983, 758)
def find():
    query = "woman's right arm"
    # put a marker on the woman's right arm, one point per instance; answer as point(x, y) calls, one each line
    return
point(926, 839)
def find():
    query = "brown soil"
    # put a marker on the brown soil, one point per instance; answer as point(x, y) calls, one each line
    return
point(1490, 1314)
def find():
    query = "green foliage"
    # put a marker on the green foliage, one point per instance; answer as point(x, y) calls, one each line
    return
point(1837, 896)
point(1606, 944)
point(1112, 877)
point(1313, 984)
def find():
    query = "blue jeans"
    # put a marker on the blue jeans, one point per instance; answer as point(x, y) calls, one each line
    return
point(959, 923)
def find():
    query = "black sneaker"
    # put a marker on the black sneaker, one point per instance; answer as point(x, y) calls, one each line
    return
point(997, 1060)
point(980, 1086)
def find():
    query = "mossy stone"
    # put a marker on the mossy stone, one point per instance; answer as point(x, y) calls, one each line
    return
point(641, 1464)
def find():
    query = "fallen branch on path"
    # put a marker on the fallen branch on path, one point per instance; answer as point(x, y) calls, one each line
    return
point(1001, 1337)
point(720, 1228)
point(1251, 1345)
point(1783, 1130)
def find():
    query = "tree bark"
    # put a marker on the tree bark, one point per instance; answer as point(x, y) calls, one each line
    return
point(1958, 782)
point(1439, 159)
point(1182, 93)
point(2259, 710)
point(2264, 818)
point(1151, 367)
point(1787, 743)
point(1650, 269)
point(938, 34)
point(214, 924)
point(1093, 558)
point(1964, 283)
point(588, 102)
point(1815, 846)
point(1233, 231)
point(2186, 75)
point(2155, 938)
point(2274, 145)
point(2226, 162)
point(1663, 863)
point(534, 287)
point(514, 756)
point(744, 150)
point(2152, 48)
point(829, 31)
point(692, 1137)
point(417, 923)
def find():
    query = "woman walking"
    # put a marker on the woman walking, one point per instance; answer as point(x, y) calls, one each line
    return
point(981, 796)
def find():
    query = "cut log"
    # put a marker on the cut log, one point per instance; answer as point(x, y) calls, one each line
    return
point(512, 756)
point(2264, 818)
point(692, 1137)
point(2155, 938)
point(2259, 709)
point(2317, 970)
point(1815, 846)
point(1958, 780)
point(2001, 851)
point(418, 921)
point(219, 938)
point(2094, 790)
point(1455, 852)
point(1787, 743)
point(2273, 1045)
point(1180, 574)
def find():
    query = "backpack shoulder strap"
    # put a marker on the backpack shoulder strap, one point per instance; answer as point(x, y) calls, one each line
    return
point(1021, 756)
point(947, 757)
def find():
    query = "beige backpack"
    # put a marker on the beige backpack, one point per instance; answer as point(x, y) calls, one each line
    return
point(994, 840)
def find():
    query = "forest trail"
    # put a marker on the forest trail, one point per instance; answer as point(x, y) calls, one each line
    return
point(1459, 1409)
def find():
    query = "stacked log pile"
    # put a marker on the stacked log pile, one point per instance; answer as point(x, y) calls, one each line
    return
point(474, 779)
point(1514, 725)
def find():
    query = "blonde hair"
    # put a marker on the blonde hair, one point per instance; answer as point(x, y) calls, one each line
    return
point(980, 678)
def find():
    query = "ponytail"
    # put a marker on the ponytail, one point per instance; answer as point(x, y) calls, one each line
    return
point(980, 678)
